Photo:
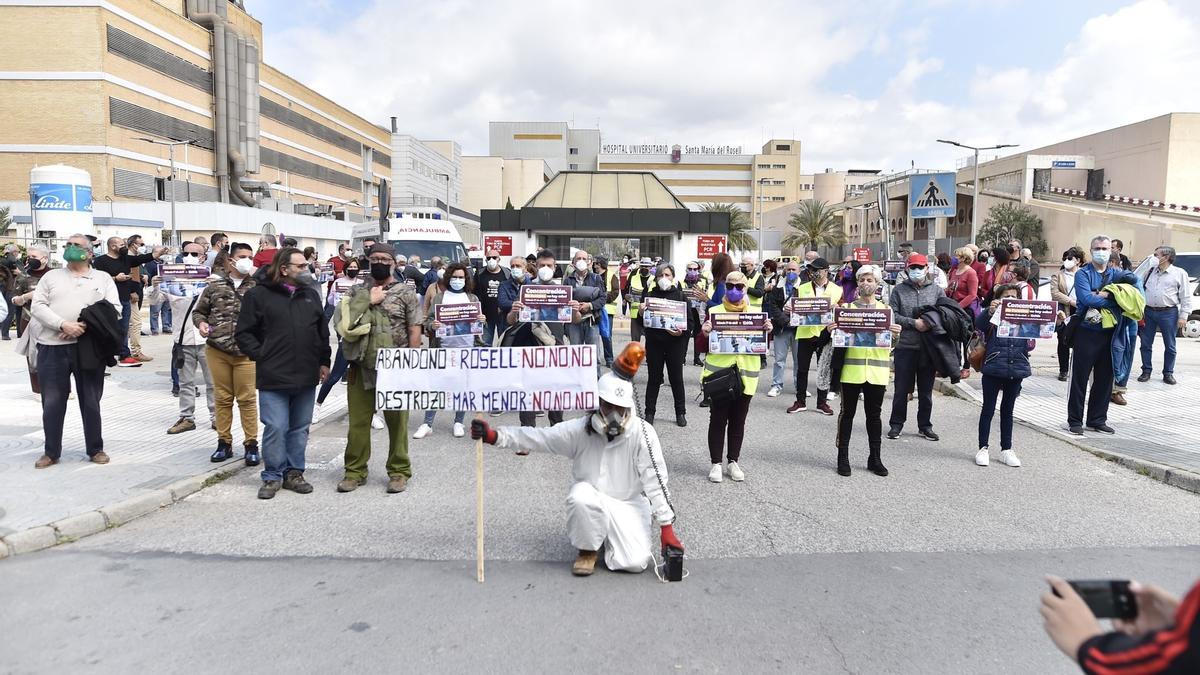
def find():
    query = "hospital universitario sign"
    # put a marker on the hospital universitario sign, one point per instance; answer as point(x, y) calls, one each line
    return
point(666, 149)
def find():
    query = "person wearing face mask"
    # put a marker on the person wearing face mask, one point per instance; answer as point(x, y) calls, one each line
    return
point(729, 420)
point(863, 373)
point(616, 492)
point(1168, 306)
point(456, 288)
point(913, 367)
point(1092, 342)
point(219, 242)
point(519, 273)
point(1005, 367)
point(338, 290)
point(695, 287)
point(118, 262)
point(233, 373)
point(755, 283)
point(964, 282)
point(1062, 291)
point(589, 290)
point(626, 269)
point(612, 285)
point(37, 264)
point(188, 373)
point(282, 328)
point(381, 302)
point(138, 276)
point(783, 343)
point(667, 348)
point(488, 282)
point(639, 282)
point(436, 271)
point(813, 340)
point(61, 303)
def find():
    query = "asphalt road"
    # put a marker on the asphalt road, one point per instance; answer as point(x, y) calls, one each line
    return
point(936, 568)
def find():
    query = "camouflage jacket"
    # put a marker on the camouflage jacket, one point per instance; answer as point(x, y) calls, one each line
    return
point(219, 306)
point(366, 328)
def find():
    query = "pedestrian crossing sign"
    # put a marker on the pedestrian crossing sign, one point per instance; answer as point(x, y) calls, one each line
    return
point(931, 195)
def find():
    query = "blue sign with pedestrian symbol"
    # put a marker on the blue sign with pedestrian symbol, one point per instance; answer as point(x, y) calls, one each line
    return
point(931, 195)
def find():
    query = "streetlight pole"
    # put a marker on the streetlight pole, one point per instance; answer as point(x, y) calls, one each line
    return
point(761, 211)
point(171, 155)
point(447, 177)
point(975, 190)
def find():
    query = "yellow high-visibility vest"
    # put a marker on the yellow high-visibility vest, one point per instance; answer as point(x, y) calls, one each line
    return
point(635, 294)
point(832, 291)
point(756, 303)
point(867, 365)
point(611, 307)
point(748, 364)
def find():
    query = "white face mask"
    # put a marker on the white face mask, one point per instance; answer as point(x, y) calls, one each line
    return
point(1069, 264)
point(244, 265)
point(665, 283)
point(441, 273)
point(493, 265)
point(190, 260)
point(518, 274)
point(545, 273)
point(143, 249)
point(581, 265)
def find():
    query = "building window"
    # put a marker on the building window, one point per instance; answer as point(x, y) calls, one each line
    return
point(764, 166)
point(573, 167)
point(776, 199)
point(574, 151)
point(783, 147)
point(778, 182)
point(779, 166)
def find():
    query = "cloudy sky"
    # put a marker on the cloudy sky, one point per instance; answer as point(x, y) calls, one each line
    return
point(868, 84)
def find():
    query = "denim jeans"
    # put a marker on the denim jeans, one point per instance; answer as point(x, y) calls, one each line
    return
point(126, 312)
point(586, 333)
point(1166, 322)
point(286, 415)
point(55, 366)
point(784, 344)
point(335, 374)
point(491, 330)
point(162, 310)
point(459, 416)
point(992, 388)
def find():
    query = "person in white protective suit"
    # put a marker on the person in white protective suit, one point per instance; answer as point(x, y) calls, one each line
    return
point(616, 489)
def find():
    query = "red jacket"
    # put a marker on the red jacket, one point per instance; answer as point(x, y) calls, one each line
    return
point(1174, 650)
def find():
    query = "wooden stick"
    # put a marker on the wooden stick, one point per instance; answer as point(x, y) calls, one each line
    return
point(479, 506)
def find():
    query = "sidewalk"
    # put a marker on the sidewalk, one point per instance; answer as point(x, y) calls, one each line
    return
point(147, 464)
point(1158, 426)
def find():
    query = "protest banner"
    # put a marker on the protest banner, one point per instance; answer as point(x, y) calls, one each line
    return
point(487, 378)
point(1026, 319)
point(342, 286)
point(325, 272)
point(862, 327)
point(664, 314)
point(809, 311)
point(738, 333)
point(546, 303)
point(183, 280)
point(461, 319)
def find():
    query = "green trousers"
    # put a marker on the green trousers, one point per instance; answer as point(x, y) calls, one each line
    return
point(361, 404)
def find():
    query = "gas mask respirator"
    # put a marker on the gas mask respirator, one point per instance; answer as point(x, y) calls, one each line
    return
point(610, 421)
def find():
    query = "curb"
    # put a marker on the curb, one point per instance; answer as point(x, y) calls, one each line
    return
point(85, 524)
point(1180, 478)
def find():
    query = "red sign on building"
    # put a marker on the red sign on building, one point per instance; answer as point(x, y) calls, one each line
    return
point(502, 244)
point(708, 245)
point(862, 255)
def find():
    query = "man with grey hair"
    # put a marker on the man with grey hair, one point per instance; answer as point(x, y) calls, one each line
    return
point(1168, 305)
point(1093, 343)
point(1035, 270)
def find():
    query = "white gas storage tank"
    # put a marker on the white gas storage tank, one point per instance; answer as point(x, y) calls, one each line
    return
point(61, 198)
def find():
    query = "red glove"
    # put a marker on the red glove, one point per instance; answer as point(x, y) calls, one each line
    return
point(669, 538)
point(481, 430)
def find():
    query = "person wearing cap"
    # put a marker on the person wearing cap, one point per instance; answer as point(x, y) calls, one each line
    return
point(914, 290)
point(381, 301)
point(728, 420)
point(756, 285)
point(639, 281)
point(864, 374)
point(780, 290)
point(612, 284)
point(812, 340)
point(619, 476)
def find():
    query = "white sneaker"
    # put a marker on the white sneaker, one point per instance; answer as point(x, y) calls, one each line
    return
point(774, 391)
point(423, 431)
point(831, 396)
point(1010, 458)
point(981, 457)
point(377, 421)
point(459, 431)
point(716, 475)
point(736, 473)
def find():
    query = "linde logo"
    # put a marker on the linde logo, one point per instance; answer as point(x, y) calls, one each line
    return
point(61, 197)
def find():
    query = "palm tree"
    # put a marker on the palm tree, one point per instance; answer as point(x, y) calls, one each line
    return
point(815, 225)
point(740, 238)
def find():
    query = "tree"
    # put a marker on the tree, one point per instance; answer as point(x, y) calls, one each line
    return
point(5, 219)
point(1007, 221)
point(814, 225)
point(740, 238)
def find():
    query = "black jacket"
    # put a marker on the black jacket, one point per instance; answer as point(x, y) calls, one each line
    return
point(950, 329)
point(100, 343)
point(285, 334)
point(487, 287)
point(773, 305)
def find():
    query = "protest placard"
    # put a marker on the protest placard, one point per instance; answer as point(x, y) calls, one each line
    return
point(1027, 319)
point(182, 279)
point(325, 272)
point(664, 314)
point(809, 311)
point(738, 333)
point(461, 319)
point(862, 327)
point(342, 286)
point(487, 378)
point(546, 303)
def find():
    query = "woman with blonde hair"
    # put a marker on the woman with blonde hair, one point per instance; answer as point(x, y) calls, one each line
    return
point(964, 281)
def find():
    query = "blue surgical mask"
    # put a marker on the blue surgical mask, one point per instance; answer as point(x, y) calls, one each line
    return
point(458, 284)
point(916, 274)
point(792, 277)
point(1101, 256)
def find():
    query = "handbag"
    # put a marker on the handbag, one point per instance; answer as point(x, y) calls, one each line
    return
point(1067, 332)
point(723, 385)
point(177, 348)
point(976, 350)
